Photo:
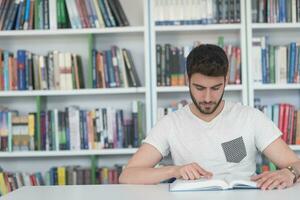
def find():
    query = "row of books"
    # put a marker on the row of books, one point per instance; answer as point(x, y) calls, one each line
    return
point(24, 14)
point(72, 129)
point(61, 175)
point(91, 14)
point(275, 11)
point(45, 14)
point(29, 71)
point(114, 68)
point(193, 12)
point(171, 64)
point(64, 71)
point(275, 63)
point(286, 118)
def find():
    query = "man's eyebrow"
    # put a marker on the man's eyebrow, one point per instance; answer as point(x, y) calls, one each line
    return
point(197, 85)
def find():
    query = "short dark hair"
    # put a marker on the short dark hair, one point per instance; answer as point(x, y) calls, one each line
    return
point(207, 59)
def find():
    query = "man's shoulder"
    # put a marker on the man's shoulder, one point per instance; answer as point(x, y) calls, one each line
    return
point(240, 108)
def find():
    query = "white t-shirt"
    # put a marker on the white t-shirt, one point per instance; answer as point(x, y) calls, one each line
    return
point(226, 144)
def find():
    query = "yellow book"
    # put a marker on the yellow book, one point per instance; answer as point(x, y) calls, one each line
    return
point(61, 174)
point(31, 125)
point(3, 187)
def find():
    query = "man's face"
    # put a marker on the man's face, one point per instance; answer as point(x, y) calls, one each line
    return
point(206, 92)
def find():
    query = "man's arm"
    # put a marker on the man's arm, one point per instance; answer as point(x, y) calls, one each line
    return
point(140, 168)
point(281, 155)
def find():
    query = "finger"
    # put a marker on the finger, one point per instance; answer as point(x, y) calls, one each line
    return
point(282, 185)
point(257, 177)
point(190, 174)
point(196, 174)
point(275, 184)
point(267, 183)
point(264, 178)
point(202, 171)
point(184, 175)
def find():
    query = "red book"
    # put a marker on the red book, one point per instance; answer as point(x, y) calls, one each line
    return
point(285, 122)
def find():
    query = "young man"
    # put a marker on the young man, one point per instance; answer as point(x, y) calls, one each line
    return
point(211, 136)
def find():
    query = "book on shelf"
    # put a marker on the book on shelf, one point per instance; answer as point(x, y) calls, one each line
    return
point(29, 71)
point(59, 175)
point(171, 63)
point(275, 63)
point(286, 117)
point(114, 68)
point(215, 183)
point(275, 11)
point(72, 129)
point(187, 12)
point(57, 14)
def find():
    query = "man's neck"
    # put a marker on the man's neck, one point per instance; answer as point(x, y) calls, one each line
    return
point(207, 117)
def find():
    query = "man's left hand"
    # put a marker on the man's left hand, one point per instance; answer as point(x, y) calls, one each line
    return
point(279, 179)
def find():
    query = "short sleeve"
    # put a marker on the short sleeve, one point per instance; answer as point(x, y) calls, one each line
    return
point(158, 136)
point(266, 131)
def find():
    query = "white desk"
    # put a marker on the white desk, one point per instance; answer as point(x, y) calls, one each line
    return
point(143, 192)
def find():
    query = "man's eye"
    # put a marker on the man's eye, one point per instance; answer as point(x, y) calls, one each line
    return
point(216, 88)
point(199, 89)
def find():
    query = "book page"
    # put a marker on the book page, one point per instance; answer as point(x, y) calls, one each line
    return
point(199, 184)
point(239, 181)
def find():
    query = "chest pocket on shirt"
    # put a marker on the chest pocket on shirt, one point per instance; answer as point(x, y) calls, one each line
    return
point(234, 150)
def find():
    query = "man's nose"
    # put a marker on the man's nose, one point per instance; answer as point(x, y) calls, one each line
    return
point(207, 96)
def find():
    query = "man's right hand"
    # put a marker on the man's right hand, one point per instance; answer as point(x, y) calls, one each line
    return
point(191, 171)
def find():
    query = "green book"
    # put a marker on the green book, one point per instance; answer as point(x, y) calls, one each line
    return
point(272, 166)
point(38, 123)
point(272, 63)
point(36, 14)
point(221, 41)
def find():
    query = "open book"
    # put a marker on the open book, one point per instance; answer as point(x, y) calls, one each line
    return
point(216, 183)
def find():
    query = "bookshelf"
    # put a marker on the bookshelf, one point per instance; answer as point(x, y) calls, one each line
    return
point(80, 41)
point(183, 35)
point(140, 38)
point(278, 34)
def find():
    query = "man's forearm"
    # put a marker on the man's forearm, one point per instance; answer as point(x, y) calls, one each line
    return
point(139, 175)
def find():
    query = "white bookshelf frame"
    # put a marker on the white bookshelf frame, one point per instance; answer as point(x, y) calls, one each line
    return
point(154, 30)
point(67, 153)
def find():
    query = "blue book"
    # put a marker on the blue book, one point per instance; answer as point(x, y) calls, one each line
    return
point(292, 62)
point(26, 15)
point(6, 70)
point(85, 131)
point(276, 114)
point(21, 58)
point(110, 68)
point(105, 14)
point(19, 15)
point(94, 68)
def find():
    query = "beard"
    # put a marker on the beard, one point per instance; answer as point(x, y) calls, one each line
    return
point(204, 107)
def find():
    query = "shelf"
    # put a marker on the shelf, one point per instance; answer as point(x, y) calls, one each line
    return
point(266, 26)
point(186, 89)
point(209, 27)
point(72, 92)
point(129, 29)
point(291, 86)
point(102, 152)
